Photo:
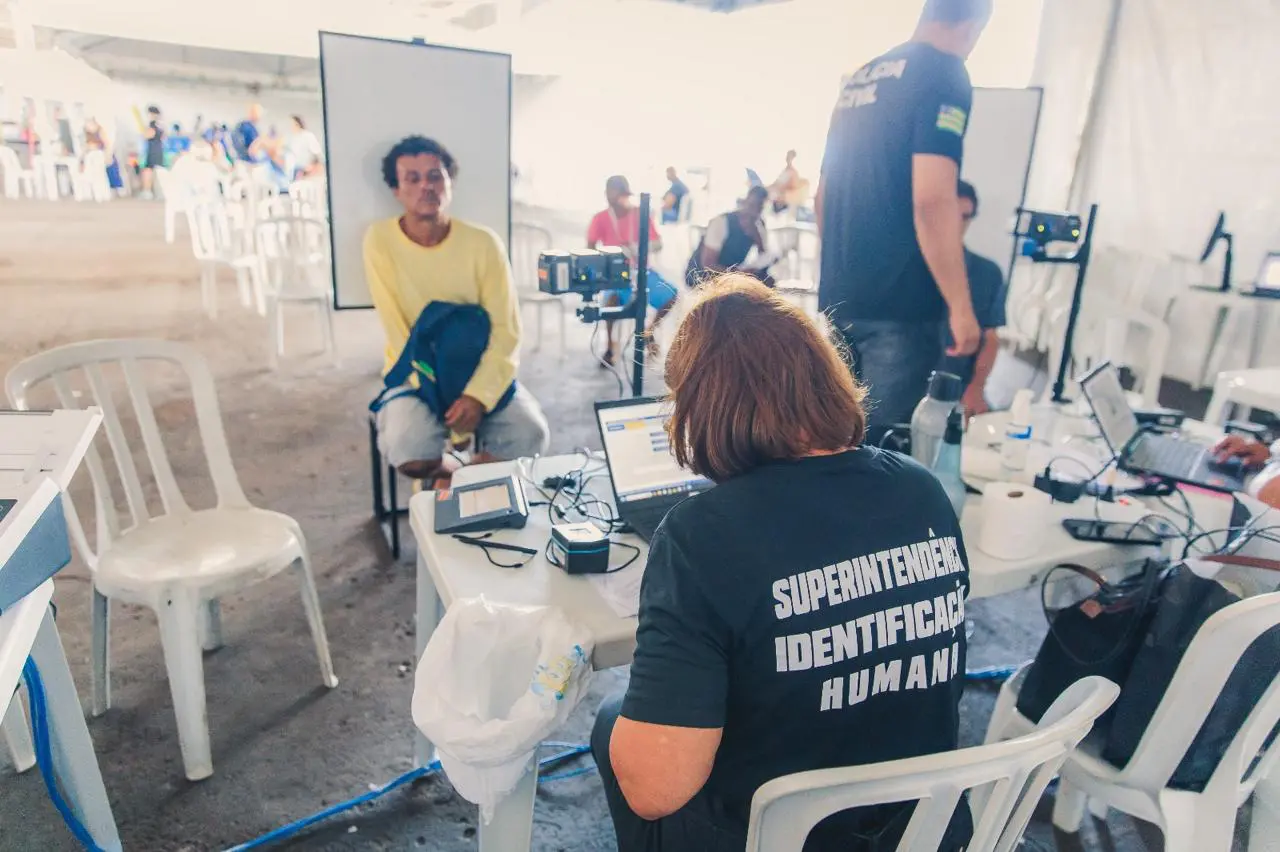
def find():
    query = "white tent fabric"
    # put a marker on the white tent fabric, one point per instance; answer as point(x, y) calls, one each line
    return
point(1183, 126)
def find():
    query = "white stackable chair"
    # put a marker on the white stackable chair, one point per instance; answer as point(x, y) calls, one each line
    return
point(527, 242)
point(217, 239)
point(90, 182)
point(1005, 781)
point(309, 197)
point(1191, 822)
point(1248, 388)
point(294, 253)
point(1101, 335)
point(179, 561)
point(16, 179)
point(17, 735)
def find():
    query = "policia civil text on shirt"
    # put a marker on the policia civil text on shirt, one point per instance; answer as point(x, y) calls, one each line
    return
point(806, 613)
point(893, 266)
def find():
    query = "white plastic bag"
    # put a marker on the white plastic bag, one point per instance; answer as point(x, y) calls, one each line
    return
point(493, 682)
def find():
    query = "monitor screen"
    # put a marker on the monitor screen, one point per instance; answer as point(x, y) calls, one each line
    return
point(1269, 275)
point(1106, 397)
point(640, 459)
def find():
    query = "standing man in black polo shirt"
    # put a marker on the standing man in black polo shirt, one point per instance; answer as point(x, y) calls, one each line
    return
point(893, 264)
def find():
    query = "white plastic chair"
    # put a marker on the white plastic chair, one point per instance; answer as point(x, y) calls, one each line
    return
point(217, 239)
point(1249, 388)
point(527, 242)
point(17, 735)
point(90, 182)
point(1103, 332)
point(16, 179)
point(294, 253)
point(309, 198)
point(1192, 822)
point(179, 561)
point(1005, 781)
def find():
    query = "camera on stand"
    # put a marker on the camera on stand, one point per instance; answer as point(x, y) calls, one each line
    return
point(587, 273)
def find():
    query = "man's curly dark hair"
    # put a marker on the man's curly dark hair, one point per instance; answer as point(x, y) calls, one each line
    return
point(412, 146)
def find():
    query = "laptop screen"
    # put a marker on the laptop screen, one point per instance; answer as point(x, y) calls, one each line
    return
point(1269, 275)
point(639, 452)
point(1106, 397)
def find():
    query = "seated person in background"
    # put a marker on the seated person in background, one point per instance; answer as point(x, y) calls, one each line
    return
point(785, 185)
point(1255, 456)
point(673, 198)
point(728, 240)
point(426, 255)
point(988, 292)
point(757, 653)
point(618, 225)
point(305, 150)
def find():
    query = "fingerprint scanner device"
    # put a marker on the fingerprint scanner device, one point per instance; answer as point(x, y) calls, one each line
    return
point(495, 504)
point(647, 480)
point(1144, 452)
point(1160, 417)
point(580, 548)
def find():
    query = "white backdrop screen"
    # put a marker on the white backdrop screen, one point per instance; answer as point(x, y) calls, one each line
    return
point(375, 93)
point(997, 155)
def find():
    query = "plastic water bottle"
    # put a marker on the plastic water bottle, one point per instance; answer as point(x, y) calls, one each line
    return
point(1017, 433)
point(929, 421)
point(946, 465)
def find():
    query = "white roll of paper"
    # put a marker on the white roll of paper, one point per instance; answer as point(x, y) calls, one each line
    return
point(1013, 520)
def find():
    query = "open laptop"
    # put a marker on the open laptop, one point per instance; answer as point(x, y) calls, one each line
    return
point(1267, 285)
point(1150, 453)
point(647, 481)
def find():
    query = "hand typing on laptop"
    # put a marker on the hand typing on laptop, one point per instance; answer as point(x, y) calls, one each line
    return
point(1251, 453)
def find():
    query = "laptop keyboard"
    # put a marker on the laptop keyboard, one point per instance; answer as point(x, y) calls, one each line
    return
point(1167, 455)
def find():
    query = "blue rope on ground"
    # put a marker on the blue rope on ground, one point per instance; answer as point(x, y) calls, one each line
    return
point(293, 828)
point(44, 754)
point(992, 672)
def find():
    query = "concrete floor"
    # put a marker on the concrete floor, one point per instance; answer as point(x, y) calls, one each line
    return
point(283, 746)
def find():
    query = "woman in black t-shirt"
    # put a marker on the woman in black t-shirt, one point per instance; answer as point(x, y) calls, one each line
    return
point(806, 613)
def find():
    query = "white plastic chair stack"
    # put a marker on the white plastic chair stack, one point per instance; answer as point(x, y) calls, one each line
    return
point(178, 561)
point(90, 182)
point(1005, 781)
point(17, 180)
point(309, 198)
point(527, 242)
point(294, 253)
point(216, 242)
point(1192, 822)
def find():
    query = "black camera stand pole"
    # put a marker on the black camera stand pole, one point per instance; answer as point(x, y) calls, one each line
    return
point(641, 299)
point(1079, 259)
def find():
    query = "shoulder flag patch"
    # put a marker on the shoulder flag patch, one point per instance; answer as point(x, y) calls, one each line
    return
point(952, 119)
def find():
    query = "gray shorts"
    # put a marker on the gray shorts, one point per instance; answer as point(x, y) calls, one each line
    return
point(408, 431)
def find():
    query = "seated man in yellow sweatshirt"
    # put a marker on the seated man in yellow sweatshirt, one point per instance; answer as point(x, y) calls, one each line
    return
point(424, 256)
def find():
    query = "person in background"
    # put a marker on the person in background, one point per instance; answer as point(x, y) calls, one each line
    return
point(153, 151)
point(673, 197)
point(246, 134)
point(887, 210)
point(428, 255)
point(988, 293)
point(176, 143)
point(305, 150)
point(95, 139)
point(728, 240)
point(756, 647)
point(1255, 456)
point(62, 126)
point(785, 187)
point(618, 225)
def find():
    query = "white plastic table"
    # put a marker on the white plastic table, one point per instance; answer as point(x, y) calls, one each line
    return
point(27, 628)
point(450, 571)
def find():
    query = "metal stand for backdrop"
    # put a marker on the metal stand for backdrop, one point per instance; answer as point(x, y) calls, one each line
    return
point(1080, 259)
point(641, 300)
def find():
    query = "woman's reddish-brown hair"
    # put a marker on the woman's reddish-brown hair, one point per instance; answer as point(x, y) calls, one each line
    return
point(754, 380)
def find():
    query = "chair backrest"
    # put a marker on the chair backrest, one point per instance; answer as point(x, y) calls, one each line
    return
point(94, 161)
point(1204, 669)
point(1257, 388)
point(69, 367)
point(309, 197)
point(214, 236)
point(527, 242)
point(1006, 780)
point(9, 160)
point(295, 255)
